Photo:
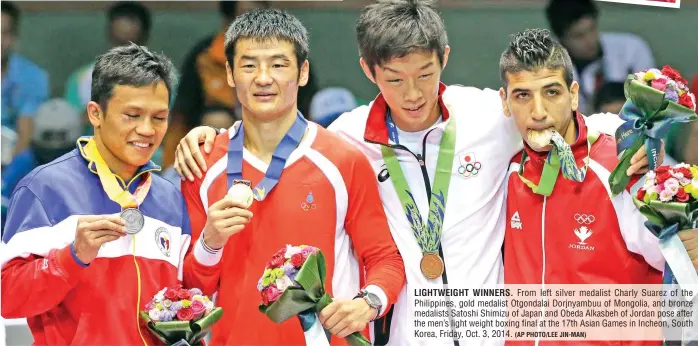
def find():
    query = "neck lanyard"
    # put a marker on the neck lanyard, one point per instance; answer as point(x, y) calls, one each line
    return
point(428, 236)
point(282, 152)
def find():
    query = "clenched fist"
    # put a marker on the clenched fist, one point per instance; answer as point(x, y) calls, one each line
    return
point(689, 237)
point(95, 230)
point(225, 218)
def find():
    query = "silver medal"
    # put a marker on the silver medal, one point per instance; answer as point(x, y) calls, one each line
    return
point(134, 220)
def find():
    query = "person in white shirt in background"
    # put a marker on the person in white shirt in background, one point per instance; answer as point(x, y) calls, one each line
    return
point(598, 57)
point(404, 49)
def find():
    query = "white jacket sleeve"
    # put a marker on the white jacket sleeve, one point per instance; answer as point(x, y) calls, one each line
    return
point(606, 123)
point(637, 237)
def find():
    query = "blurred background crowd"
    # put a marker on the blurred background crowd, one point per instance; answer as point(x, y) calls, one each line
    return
point(48, 49)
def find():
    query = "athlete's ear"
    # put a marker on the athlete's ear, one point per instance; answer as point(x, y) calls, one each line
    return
point(95, 114)
point(229, 74)
point(505, 106)
point(367, 70)
point(446, 51)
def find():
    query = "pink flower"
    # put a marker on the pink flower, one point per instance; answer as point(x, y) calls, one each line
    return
point(197, 308)
point(270, 294)
point(672, 186)
point(659, 83)
point(306, 251)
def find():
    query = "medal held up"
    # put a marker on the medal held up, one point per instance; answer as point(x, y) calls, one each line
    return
point(129, 203)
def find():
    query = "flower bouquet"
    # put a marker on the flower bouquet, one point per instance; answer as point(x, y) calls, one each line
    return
point(293, 284)
point(669, 200)
point(179, 316)
point(655, 100)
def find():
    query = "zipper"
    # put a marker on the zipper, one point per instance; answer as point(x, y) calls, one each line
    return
point(542, 309)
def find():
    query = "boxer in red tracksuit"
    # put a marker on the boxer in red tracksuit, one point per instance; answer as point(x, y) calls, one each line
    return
point(580, 233)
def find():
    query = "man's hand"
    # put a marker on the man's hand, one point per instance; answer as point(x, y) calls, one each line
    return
point(343, 317)
point(639, 163)
point(95, 230)
point(188, 158)
point(225, 218)
point(689, 237)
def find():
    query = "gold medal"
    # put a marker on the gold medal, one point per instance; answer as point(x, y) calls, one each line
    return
point(432, 265)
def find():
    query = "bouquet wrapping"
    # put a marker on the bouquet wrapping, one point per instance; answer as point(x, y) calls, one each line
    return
point(293, 284)
point(669, 200)
point(655, 100)
point(179, 316)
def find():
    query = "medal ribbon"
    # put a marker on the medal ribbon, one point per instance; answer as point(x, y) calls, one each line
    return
point(429, 235)
point(112, 187)
point(278, 161)
point(559, 156)
point(110, 181)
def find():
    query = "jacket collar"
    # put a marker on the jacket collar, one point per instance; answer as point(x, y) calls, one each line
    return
point(579, 147)
point(376, 126)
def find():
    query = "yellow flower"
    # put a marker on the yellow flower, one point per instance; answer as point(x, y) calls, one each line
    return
point(199, 298)
point(649, 76)
point(652, 196)
point(694, 171)
point(688, 188)
point(681, 92)
point(694, 193)
point(186, 303)
point(158, 306)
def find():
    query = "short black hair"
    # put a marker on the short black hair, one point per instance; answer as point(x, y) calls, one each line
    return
point(131, 65)
point(229, 9)
point(132, 10)
point(395, 28)
point(267, 24)
point(535, 49)
point(562, 14)
point(11, 10)
point(609, 92)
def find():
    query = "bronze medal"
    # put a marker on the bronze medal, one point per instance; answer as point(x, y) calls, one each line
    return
point(432, 265)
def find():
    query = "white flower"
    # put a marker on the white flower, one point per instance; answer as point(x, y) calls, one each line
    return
point(694, 182)
point(160, 296)
point(154, 315)
point(652, 189)
point(671, 183)
point(650, 175)
point(209, 306)
point(682, 165)
point(649, 183)
point(665, 196)
point(290, 251)
point(684, 181)
point(676, 174)
point(657, 73)
point(283, 282)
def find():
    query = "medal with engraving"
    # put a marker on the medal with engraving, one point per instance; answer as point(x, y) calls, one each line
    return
point(132, 216)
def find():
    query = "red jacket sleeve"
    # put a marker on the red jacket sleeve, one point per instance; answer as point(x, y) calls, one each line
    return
point(202, 272)
point(368, 228)
point(32, 285)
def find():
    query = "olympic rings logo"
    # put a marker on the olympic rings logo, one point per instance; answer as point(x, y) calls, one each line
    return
point(584, 219)
point(306, 206)
point(468, 166)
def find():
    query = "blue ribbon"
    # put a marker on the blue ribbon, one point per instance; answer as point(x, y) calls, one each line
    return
point(278, 160)
point(308, 318)
point(664, 233)
point(392, 129)
point(639, 124)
